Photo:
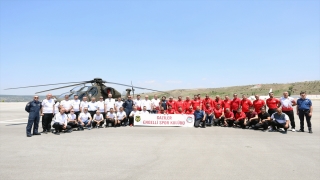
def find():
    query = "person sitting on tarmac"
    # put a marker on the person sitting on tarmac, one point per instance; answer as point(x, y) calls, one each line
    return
point(218, 116)
point(251, 117)
point(122, 117)
point(60, 122)
point(111, 118)
point(264, 120)
point(72, 120)
point(98, 120)
point(84, 119)
point(280, 121)
point(229, 118)
point(240, 119)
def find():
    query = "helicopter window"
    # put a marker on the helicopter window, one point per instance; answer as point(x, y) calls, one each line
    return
point(76, 89)
point(62, 95)
point(93, 91)
point(86, 88)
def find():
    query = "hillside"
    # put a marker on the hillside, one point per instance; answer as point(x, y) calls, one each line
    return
point(311, 87)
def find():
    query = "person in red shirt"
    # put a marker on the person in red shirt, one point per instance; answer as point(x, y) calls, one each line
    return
point(258, 104)
point(245, 104)
point(216, 101)
point(178, 104)
point(179, 111)
point(209, 114)
point(162, 111)
point(228, 118)
point(171, 102)
point(226, 103)
point(235, 104)
point(218, 116)
point(190, 110)
point(187, 103)
point(251, 118)
point(200, 100)
point(272, 103)
point(240, 119)
point(195, 102)
point(206, 100)
point(170, 110)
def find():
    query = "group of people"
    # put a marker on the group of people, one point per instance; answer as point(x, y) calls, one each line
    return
point(70, 114)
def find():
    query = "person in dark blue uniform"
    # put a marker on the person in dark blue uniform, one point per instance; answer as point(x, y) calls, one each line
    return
point(304, 109)
point(128, 107)
point(199, 117)
point(33, 108)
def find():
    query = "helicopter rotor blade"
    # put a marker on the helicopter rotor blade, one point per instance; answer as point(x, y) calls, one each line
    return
point(46, 85)
point(133, 86)
point(61, 87)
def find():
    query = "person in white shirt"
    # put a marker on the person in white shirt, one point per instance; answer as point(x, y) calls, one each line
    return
point(109, 103)
point(60, 122)
point(111, 118)
point(144, 110)
point(48, 111)
point(66, 104)
point(100, 105)
point(121, 117)
point(98, 120)
point(84, 103)
point(155, 103)
point(118, 104)
point(147, 103)
point(131, 116)
point(137, 103)
point(72, 120)
point(92, 106)
point(85, 119)
point(75, 105)
point(287, 104)
point(56, 106)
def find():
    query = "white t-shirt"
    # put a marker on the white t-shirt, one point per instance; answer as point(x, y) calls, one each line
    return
point(84, 104)
point(100, 105)
point(56, 108)
point(76, 105)
point(286, 103)
point(61, 118)
point(111, 115)
point(134, 113)
point(66, 104)
point(282, 121)
point(137, 102)
point(92, 106)
point(121, 115)
point(109, 103)
point(97, 117)
point(72, 117)
point(118, 105)
point(47, 106)
point(144, 112)
point(146, 103)
point(155, 102)
point(84, 116)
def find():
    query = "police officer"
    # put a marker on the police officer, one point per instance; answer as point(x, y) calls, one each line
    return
point(128, 107)
point(304, 109)
point(33, 108)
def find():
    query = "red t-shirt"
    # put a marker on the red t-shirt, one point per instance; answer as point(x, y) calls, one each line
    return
point(172, 103)
point(226, 104)
point(186, 104)
point(272, 103)
point(241, 115)
point(245, 103)
point(229, 115)
point(178, 112)
point(215, 102)
point(205, 101)
point(170, 111)
point(257, 104)
point(251, 115)
point(235, 104)
point(195, 103)
point(188, 111)
point(218, 112)
point(179, 103)
point(208, 110)
point(162, 112)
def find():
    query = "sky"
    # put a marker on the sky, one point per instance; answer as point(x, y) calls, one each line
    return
point(160, 45)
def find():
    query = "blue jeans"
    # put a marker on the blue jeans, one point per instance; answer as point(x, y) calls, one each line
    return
point(209, 119)
point(86, 124)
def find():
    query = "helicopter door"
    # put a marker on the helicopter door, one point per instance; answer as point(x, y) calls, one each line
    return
point(93, 92)
point(109, 91)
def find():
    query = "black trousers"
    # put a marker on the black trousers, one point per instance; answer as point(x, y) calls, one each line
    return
point(302, 114)
point(252, 122)
point(59, 127)
point(94, 123)
point(271, 111)
point(291, 117)
point(197, 123)
point(240, 123)
point(234, 113)
point(131, 121)
point(219, 121)
point(73, 125)
point(276, 125)
point(112, 121)
point(46, 121)
point(124, 121)
point(263, 125)
point(230, 122)
point(77, 114)
point(92, 113)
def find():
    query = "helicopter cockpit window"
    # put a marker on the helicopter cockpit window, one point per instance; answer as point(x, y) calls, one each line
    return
point(93, 91)
point(62, 95)
point(86, 88)
point(76, 89)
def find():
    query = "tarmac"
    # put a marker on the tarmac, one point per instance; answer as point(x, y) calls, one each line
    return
point(156, 153)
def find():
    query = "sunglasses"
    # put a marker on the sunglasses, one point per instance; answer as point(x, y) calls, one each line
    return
point(71, 111)
point(36, 97)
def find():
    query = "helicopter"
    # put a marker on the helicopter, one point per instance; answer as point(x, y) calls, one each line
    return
point(96, 89)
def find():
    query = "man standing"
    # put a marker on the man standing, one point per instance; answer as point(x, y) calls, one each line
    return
point(199, 117)
point(287, 104)
point(171, 103)
point(84, 104)
point(163, 103)
point(100, 105)
point(66, 104)
point(216, 102)
point(226, 103)
point(205, 101)
point(128, 106)
point(118, 104)
point(304, 109)
point(245, 104)
point(258, 104)
point(179, 103)
point(137, 103)
point(155, 104)
point(279, 120)
point(195, 102)
point(109, 103)
point(75, 103)
point(33, 108)
point(187, 103)
point(48, 111)
point(61, 122)
point(235, 104)
point(92, 106)
point(272, 103)
point(147, 103)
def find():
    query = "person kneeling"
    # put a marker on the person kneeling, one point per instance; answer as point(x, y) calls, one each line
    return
point(97, 120)
point(84, 119)
point(72, 120)
point(199, 117)
point(252, 118)
point(228, 118)
point(218, 116)
point(264, 120)
point(280, 121)
point(240, 119)
point(60, 122)
point(122, 117)
point(111, 118)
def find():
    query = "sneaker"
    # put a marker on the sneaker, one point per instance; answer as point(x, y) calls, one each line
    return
point(300, 130)
point(89, 128)
point(310, 130)
point(57, 133)
point(271, 130)
point(293, 130)
point(281, 129)
point(97, 127)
